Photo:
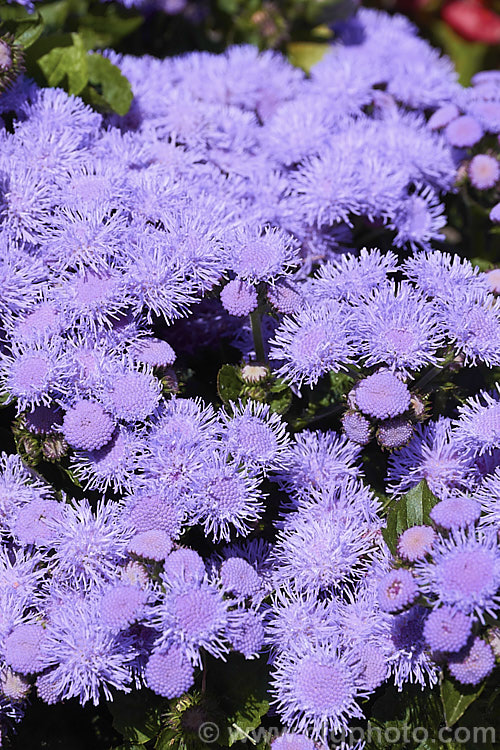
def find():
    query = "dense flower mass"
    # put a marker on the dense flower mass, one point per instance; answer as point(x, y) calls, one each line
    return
point(197, 350)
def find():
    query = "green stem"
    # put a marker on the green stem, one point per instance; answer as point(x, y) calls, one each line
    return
point(434, 371)
point(337, 409)
point(258, 342)
point(234, 725)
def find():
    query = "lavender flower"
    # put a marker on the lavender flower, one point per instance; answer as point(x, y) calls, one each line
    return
point(464, 572)
point(447, 629)
point(478, 426)
point(86, 425)
point(398, 327)
point(484, 171)
point(306, 345)
point(191, 619)
point(416, 542)
point(435, 454)
point(382, 395)
point(169, 673)
point(472, 665)
point(316, 688)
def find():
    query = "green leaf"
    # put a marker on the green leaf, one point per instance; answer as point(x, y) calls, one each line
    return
point(482, 263)
point(108, 88)
point(137, 715)
point(306, 54)
point(15, 13)
point(109, 24)
point(27, 32)
point(242, 687)
point(166, 740)
point(412, 510)
point(279, 386)
point(24, 27)
point(66, 63)
point(229, 384)
point(229, 6)
point(247, 718)
point(456, 699)
point(55, 14)
point(281, 403)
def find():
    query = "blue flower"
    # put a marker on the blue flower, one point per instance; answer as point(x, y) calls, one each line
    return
point(316, 688)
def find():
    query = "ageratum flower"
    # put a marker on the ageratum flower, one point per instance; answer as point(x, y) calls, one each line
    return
point(41, 322)
point(464, 572)
point(192, 619)
point(455, 512)
point(121, 605)
point(21, 574)
point(34, 374)
point(169, 673)
point(473, 325)
point(318, 460)
point(443, 276)
point(18, 487)
point(464, 131)
point(184, 567)
point(87, 426)
point(239, 577)
point(435, 453)
point(447, 629)
point(247, 635)
point(419, 219)
point(81, 655)
point(488, 495)
point(152, 351)
point(397, 326)
point(293, 741)
point(312, 342)
point(382, 395)
point(23, 648)
point(416, 542)
point(478, 426)
point(408, 656)
point(473, 664)
point(225, 497)
point(316, 688)
point(36, 521)
point(396, 590)
point(356, 427)
point(131, 395)
point(322, 554)
point(152, 507)
point(394, 433)
point(239, 298)
point(297, 616)
point(353, 277)
point(261, 254)
point(88, 545)
point(114, 465)
point(255, 435)
point(484, 171)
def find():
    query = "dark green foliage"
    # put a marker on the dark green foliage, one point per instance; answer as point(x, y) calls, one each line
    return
point(57, 40)
point(412, 510)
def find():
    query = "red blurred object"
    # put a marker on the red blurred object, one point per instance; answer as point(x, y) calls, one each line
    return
point(472, 20)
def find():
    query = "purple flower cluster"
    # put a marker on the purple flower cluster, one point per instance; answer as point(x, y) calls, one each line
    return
point(233, 188)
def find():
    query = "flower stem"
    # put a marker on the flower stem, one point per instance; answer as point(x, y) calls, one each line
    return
point(258, 342)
